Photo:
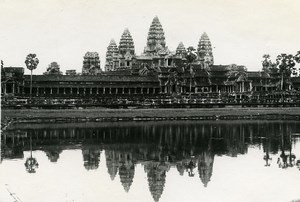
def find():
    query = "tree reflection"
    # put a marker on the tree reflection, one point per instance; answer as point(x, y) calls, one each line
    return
point(31, 163)
point(298, 164)
point(286, 160)
point(190, 167)
point(267, 157)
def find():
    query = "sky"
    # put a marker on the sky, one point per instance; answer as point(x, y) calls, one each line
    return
point(241, 31)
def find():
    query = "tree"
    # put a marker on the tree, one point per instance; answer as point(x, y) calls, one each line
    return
point(268, 65)
point(53, 69)
point(191, 56)
point(31, 63)
point(297, 57)
point(31, 163)
point(284, 66)
point(236, 71)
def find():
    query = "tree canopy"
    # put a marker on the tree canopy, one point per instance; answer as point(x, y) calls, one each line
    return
point(284, 65)
point(53, 68)
point(191, 54)
point(31, 61)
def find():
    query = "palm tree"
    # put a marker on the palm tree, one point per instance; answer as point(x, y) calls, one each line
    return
point(31, 63)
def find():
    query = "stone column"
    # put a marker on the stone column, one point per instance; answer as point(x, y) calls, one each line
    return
point(13, 88)
point(243, 86)
point(123, 90)
point(103, 90)
point(37, 91)
point(97, 91)
point(147, 90)
point(77, 90)
point(44, 91)
point(109, 90)
point(64, 91)
point(71, 91)
point(134, 90)
point(50, 91)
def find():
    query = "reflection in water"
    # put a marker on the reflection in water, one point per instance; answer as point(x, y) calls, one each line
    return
point(31, 163)
point(91, 157)
point(190, 147)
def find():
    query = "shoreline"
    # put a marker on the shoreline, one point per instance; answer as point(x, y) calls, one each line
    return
point(9, 116)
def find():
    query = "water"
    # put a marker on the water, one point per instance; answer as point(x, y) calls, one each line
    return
point(151, 161)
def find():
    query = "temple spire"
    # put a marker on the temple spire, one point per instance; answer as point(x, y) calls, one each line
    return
point(180, 50)
point(205, 50)
point(156, 37)
point(111, 56)
point(205, 166)
point(126, 44)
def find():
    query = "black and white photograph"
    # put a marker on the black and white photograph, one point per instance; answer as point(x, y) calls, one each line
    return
point(150, 100)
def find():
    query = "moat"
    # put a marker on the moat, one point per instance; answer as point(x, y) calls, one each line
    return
point(151, 161)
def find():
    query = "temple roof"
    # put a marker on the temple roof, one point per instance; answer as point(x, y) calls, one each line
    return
point(111, 163)
point(205, 167)
point(215, 68)
point(126, 173)
point(91, 78)
point(156, 173)
point(120, 72)
point(156, 37)
point(257, 74)
point(180, 50)
point(91, 55)
point(144, 57)
point(111, 49)
point(126, 43)
point(205, 48)
point(13, 69)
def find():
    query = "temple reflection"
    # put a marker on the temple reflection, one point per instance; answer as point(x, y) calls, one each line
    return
point(156, 174)
point(188, 147)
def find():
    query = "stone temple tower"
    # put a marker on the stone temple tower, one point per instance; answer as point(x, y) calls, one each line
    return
point(91, 64)
point(180, 50)
point(111, 56)
point(126, 50)
point(205, 51)
point(156, 38)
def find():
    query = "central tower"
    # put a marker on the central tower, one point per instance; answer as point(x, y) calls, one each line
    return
point(205, 51)
point(156, 38)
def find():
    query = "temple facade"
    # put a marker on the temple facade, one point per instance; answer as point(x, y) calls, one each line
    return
point(156, 73)
point(91, 64)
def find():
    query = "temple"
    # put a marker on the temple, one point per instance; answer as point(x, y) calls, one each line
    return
point(205, 53)
point(157, 74)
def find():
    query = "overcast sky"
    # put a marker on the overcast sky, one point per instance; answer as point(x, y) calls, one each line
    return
point(241, 31)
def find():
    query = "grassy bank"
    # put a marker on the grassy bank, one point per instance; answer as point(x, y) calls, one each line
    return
point(130, 113)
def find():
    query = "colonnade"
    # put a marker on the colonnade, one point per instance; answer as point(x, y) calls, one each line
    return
point(41, 91)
